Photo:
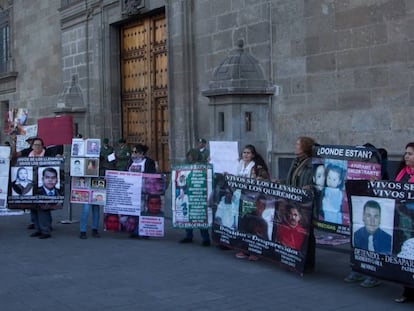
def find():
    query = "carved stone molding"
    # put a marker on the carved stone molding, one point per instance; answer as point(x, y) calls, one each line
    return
point(132, 7)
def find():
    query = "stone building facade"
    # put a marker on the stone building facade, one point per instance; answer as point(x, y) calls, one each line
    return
point(340, 71)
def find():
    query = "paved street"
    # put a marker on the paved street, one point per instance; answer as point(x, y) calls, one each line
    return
point(116, 273)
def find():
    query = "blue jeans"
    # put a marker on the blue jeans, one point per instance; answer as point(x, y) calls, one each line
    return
point(84, 217)
point(205, 236)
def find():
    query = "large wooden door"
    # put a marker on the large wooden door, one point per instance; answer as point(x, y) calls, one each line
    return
point(144, 87)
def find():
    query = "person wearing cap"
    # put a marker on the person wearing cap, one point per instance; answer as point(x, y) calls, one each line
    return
point(25, 152)
point(122, 155)
point(104, 164)
point(198, 155)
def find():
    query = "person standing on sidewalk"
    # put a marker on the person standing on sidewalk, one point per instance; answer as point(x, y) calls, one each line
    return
point(406, 174)
point(141, 163)
point(104, 163)
point(198, 155)
point(252, 165)
point(122, 156)
point(40, 214)
point(86, 208)
point(300, 175)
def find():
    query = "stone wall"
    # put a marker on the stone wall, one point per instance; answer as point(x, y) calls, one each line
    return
point(344, 67)
point(36, 57)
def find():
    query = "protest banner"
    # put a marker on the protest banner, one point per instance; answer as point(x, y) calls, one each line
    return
point(137, 200)
point(266, 219)
point(224, 156)
point(37, 180)
point(191, 188)
point(4, 182)
point(56, 130)
point(333, 166)
point(29, 131)
point(88, 190)
point(382, 214)
point(14, 121)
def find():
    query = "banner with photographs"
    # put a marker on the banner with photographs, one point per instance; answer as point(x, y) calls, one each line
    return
point(334, 165)
point(266, 219)
point(88, 190)
point(382, 214)
point(14, 121)
point(38, 180)
point(85, 157)
point(4, 182)
point(191, 188)
point(135, 203)
point(28, 132)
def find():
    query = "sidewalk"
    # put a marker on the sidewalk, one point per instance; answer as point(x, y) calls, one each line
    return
point(116, 273)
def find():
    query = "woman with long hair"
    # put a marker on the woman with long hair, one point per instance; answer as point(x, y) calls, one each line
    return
point(406, 175)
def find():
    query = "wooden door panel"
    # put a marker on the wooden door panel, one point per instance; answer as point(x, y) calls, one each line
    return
point(144, 87)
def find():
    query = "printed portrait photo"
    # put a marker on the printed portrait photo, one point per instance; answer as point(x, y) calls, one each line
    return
point(93, 146)
point(81, 182)
point(49, 181)
point(98, 197)
point(372, 223)
point(77, 167)
point(22, 181)
point(78, 147)
point(91, 167)
point(79, 196)
point(98, 183)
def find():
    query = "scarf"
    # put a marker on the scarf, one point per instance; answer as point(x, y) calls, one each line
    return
point(32, 154)
point(297, 168)
point(406, 170)
point(243, 170)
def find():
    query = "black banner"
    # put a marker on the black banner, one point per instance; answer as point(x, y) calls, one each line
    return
point(37, 180)
point(270, 220)
point(382, 214)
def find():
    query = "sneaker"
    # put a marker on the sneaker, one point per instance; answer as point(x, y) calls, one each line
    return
point(186, 240)
point(83, 236)
point(44, 236)
point(253, 258)
point(31, 226)
point(241, 255)
point(95, 233)
point(354, 277)
point(35, 234)
point(370, 282)
point(206, 243)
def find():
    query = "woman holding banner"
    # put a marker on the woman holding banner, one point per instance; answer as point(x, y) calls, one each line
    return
point(252, 165)
point(301, 175)
point(406, 175)
point(141, 164)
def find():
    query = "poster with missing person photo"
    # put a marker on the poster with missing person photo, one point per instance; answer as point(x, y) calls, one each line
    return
point(37, 180)
point(333, 166)
point(4, 182)
point(88, 190)
point(382, 232)
point(191, 188)
point(266, 219)
point(135, 203)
